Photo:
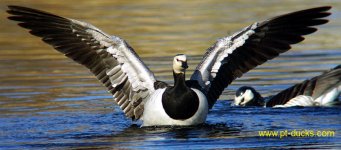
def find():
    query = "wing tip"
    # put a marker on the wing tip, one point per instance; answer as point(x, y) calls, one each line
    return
point(319, 9)
point(16, 8)
point(325, 8)
point(13, 6)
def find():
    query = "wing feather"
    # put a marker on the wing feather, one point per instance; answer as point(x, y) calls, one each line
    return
point(109, 58)
point(230, 57)
point(314, 87)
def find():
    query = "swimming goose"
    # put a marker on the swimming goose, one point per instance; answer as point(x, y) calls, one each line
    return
point(322, 90)
point(134, 87)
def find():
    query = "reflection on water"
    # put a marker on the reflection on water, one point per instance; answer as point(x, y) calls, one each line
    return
point(48, 101)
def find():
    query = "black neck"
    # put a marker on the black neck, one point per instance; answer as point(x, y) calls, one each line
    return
point(180, 101)
point(179, 81)
point(257, 100)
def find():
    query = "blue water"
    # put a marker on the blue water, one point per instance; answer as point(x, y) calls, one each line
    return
point(53, 110)
point(226, 127)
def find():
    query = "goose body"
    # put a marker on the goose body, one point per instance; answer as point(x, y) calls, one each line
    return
point(322, 90)
point(135, 88)
point(155, 113)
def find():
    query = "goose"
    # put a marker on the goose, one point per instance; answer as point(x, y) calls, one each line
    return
point(322, 90)
point(134, 87)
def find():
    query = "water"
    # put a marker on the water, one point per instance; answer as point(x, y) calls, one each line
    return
point(48, 101)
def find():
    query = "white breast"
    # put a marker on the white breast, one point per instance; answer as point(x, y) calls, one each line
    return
point(155, 115)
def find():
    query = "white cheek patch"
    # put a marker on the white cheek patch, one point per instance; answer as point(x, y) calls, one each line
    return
point(177, 67)
point(248, 95)
point(237, 100)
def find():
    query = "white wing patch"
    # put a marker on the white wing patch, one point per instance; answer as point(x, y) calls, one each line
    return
point(215, 57)
point(323, 100)
point(139, 77)
point(300, 100)
point(329, 97)
point(228, 44)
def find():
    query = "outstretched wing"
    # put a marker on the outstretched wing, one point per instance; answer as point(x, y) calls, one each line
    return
point(111, 59)
point(232, 56)
point(314, 87)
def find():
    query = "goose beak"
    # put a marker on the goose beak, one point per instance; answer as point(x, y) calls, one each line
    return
point(241, 103)
point(184, 65)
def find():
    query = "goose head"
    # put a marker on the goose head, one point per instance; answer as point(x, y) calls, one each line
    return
point(180, 64)
point(248, 96)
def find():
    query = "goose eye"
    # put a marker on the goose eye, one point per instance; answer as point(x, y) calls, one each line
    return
point(177, 60)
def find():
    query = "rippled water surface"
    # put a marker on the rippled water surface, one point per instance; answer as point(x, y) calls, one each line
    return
point(48, 101)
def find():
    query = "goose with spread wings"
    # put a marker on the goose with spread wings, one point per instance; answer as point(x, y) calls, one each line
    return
point(134, 87)
point(322, 90)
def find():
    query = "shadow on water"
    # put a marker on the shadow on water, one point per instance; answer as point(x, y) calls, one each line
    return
point(136, 137)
